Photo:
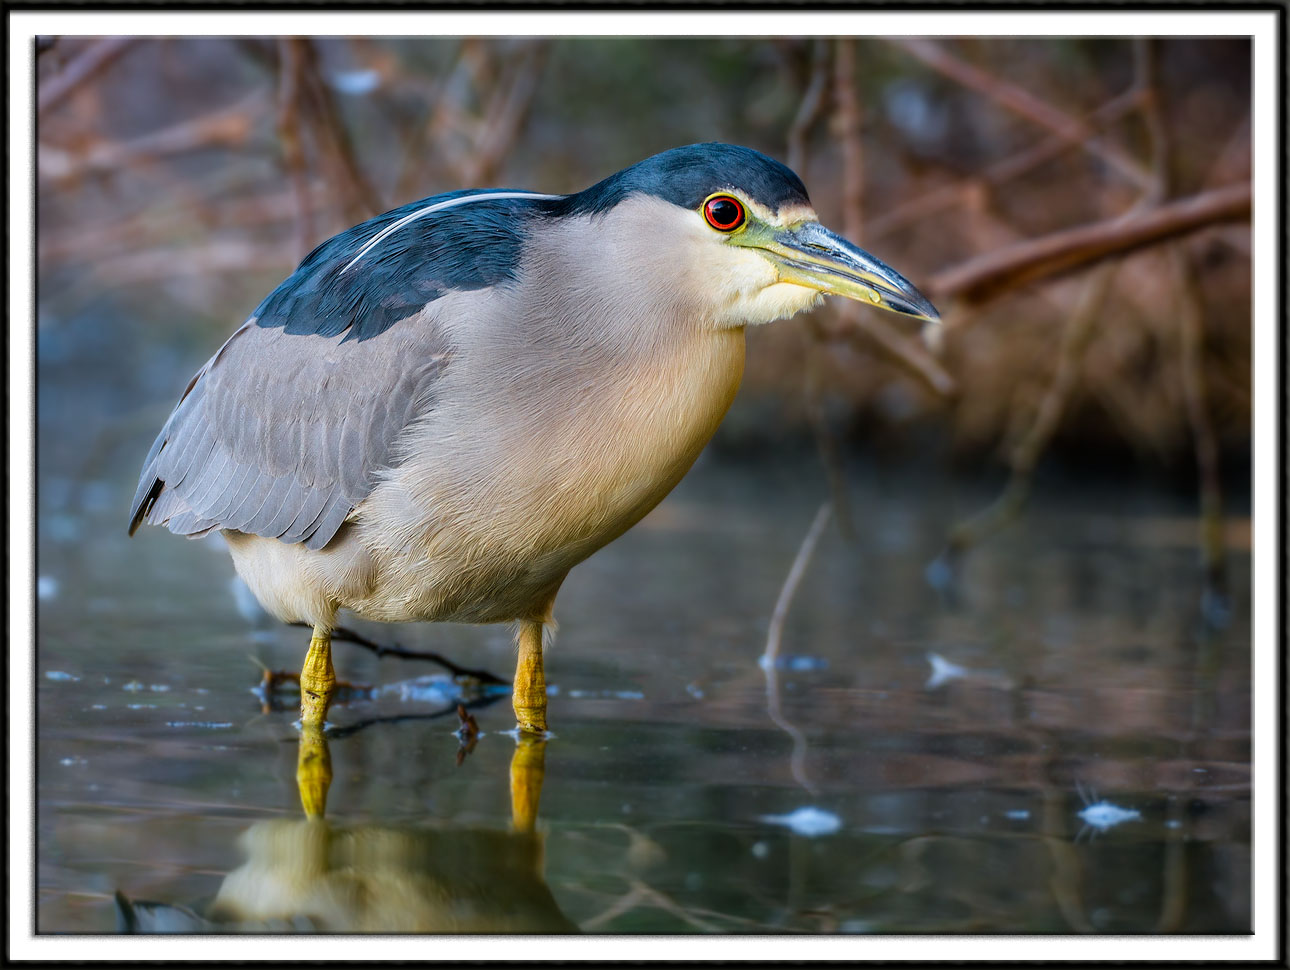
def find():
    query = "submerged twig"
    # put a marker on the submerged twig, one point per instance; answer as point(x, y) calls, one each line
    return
point(350, 636)
point(770, 656)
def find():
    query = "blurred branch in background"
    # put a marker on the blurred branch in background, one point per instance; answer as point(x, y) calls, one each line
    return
point(83, 68)
point(1148, 223)
point(993, 273)
point(1024, 104)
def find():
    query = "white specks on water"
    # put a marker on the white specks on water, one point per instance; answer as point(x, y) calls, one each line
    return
point(808, 821)
point(60, 675)
point(1173, 823)
point(760, 850)
point(46, 587)
point(1017, 814)
point(71, 762)
point(98, 707)
point(142, 707)
point(135, 687)
point(695, 691)
point(1100, 815)
point(212, 725)
point(620, 695)
point(943, 671)
point(1104, 815)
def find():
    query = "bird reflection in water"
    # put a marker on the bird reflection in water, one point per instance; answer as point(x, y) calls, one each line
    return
point(310, 876)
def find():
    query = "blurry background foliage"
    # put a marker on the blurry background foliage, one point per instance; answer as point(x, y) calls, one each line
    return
point(180, 179)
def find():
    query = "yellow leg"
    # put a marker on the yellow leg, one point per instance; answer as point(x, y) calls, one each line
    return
point(529, 697)
point(313, 770)
point(317, 679)
point(528, 767)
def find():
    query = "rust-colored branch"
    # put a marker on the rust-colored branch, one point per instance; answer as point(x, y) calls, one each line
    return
point(89, 63)
point(1061, 252)
point(1021, 103)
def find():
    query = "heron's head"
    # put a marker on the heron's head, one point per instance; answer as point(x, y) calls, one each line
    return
point(734, 232)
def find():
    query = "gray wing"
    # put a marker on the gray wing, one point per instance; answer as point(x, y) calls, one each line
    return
point(282, 434)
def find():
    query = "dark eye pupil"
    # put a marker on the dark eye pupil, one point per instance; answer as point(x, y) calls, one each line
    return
point(724, 212)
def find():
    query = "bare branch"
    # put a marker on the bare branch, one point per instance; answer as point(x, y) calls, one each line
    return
point(1075, 337)
point(809, 109)
point(1000, 173)
point(290, 96)
point(331, 135)
point(227, 128)
point(1061, 252)
point(90, 62)
point(506, 113)
point(862, 329)
point(1022, 103)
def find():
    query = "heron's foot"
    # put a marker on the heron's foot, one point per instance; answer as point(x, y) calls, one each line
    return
point(313, 770)
point(317, 680)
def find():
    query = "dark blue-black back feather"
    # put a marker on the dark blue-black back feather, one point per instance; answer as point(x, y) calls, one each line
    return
point(466, 248)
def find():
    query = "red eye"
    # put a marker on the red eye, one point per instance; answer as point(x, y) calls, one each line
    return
point(724, 213)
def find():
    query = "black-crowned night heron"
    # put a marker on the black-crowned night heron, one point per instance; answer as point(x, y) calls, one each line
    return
point(446, 408)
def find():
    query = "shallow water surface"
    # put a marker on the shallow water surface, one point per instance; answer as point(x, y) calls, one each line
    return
point(1061, 747)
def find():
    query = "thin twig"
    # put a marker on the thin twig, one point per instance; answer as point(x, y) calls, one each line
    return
point(361, 200)
point(770, 656)
point(90, 62)
point(847, 119)
point(864, 330)
point(506, 113)
point(351, 636)
point(1191, 326)
point(226, 128)
point(1061, 252)
point(290, 67)
point(928, 204)
point(1076, 334)
point(1020, 102)
point(809, 109)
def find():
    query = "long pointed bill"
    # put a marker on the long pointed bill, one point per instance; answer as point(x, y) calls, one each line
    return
point(810, 255)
